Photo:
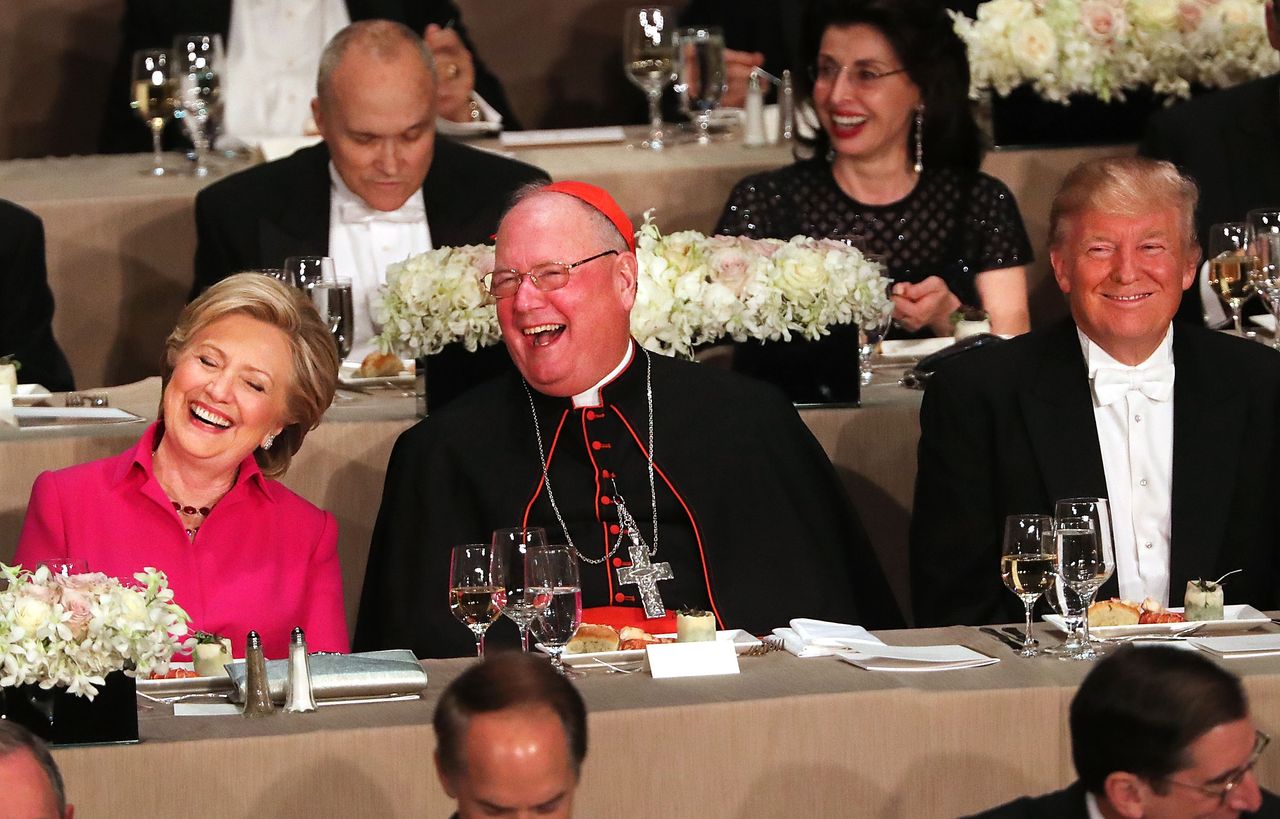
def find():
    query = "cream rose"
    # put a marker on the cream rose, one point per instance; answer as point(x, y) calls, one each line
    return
point(1034, 46)
point(1101, 20)
point(30, 613)
point(798, 281)
point(732, 268)
point(1155, 13)
point(1236, 12)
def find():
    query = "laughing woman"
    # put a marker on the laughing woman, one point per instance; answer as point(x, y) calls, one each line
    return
point(248, 372)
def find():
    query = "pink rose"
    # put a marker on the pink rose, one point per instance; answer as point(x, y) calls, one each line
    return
point(1102, 20)
point(731, 266)
point(93, 582)
point(80, 605)
point(1190, 14)
point(34, 591)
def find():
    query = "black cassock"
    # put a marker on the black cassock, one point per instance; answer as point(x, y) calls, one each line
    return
point(752, 517)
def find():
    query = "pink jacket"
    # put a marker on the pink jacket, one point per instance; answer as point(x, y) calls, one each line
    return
point(264, 559)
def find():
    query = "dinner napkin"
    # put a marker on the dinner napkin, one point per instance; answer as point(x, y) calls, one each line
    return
point(344, 676)
point(821, 638)
point(1243, 645)
point(916, 658)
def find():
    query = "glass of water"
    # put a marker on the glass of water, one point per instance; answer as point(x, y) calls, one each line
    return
point(557, 623)
point(517, 575)
point(700, 75)
point(332, 301)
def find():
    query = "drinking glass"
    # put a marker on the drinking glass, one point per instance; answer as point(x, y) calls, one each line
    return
point(332, 301)
point(517, 575)
point(1066, 603)
point(1264, 243)
point(558, 566)
point(153, 99)
point(700, 75)
point(472, 590)
point(870, 334)
point(1232, 268)
point(1085, 562)
point(648, 56)
point(66, 566)
point(195, 70)
point(1028, 565)
point(308, 271)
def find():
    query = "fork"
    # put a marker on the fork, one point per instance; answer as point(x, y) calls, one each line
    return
point(768, 644)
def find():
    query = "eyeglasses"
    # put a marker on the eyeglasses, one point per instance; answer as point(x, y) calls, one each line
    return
point(1221, 790)
point(828, 71)
point(503, 284)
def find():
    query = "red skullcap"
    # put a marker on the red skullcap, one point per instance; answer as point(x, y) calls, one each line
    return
point(599, 199)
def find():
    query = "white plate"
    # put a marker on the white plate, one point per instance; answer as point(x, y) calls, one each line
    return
point(1235, 618)
point(1264, 321)
point(54, 417)
point(30, 394)
point(740, 639)
point(911, 349)
point(187, 685)
point(347, 377)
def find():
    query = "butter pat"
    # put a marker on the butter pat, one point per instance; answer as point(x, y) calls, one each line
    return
point(210, 658)
point(1203, 600)
point(695, 627)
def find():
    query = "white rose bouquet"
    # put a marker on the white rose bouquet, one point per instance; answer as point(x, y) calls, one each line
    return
point(72, 631)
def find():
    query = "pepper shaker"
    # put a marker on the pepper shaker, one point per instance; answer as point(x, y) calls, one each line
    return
point(257, 695)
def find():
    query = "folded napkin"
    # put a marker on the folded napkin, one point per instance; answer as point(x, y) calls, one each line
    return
point(344, 676)
point(1243, 645)
point(917, 658)
point(820, 638)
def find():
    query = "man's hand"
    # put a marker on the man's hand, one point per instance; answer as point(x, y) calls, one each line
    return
point(457, 75)
point(738, 65)
point(926, 304)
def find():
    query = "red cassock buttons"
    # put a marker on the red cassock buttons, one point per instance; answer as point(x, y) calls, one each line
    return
point(617, 561)
point(613, 529)
point(596, 445)
point(605, 500)
point(619, 597)
point(591, 415)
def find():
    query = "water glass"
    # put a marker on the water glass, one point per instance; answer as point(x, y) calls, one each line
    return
point(308, 271)
point(196, 71)
point(558, 622)
point(471, 589)
point(1028, 565)
point(700, 75)
point(872, 333)
point(1083, 566)
point(332, 301)
point(66, 566)
point(648, 56)
point(518, 576)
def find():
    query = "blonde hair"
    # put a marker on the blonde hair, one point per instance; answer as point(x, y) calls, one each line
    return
point(1125, 186)
point(315, 355)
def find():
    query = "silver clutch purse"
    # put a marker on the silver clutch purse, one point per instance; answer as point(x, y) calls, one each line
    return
point(344, 676)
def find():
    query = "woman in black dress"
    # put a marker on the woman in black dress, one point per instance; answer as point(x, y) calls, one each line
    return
point(896, 160)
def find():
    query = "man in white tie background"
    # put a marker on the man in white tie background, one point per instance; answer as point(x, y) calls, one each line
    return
point(381, 187)
point(1177, 427)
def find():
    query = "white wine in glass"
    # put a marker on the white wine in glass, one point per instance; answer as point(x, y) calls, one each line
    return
point(153, 99)
point(1233, 270)
point(1264, 243)
point(472, 591)
point(1028, 565)
point(649, 57)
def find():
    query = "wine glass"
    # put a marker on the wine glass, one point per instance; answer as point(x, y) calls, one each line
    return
point(66, 566)
point(1066, 603)
point(700, 75)
point(871, 333)
point(556, 624)
point(472, 590)
point(308, 271)
point(1028, 565)
point(522, 592)
point(332, 301)
point(648, 55)
point(1085, 561)
point(1232, 268)
point(153, 99)
point(196, 69)
point(1264, 244)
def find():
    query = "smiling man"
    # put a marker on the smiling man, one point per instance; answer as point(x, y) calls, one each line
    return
point(382, 186)
point(1176, 426)
point(624, 455)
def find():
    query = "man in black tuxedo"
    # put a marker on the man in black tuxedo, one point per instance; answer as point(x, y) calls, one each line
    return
point(1177, 426)
point(26, 303)
point(1157, 732)
point(1227, 142)
point(381, 186)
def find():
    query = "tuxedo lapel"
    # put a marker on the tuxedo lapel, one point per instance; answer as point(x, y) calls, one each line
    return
point(299, 226)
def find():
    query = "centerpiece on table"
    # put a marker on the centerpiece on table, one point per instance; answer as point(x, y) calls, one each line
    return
point(72, 644)
point(1098, 55)
point(692, 290)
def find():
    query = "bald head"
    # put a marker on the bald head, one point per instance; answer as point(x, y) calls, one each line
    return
point(30, 784)
point(377, 39)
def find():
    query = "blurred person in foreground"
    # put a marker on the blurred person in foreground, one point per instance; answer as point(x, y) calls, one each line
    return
point(30, 783)
point(1157, 733)
point(725, 483)
point(26, 303)
point(381, 187)
point(511, 735)
point(248, 371)
point(1176, 425)
point(896, 161)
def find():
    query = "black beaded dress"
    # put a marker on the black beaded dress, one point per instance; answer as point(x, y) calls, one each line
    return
point(954, 224)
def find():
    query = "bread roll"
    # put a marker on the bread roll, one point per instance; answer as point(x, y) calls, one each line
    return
point(1113, 613)
point(590, 638)
point(380, 365)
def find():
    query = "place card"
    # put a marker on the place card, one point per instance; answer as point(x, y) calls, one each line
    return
point(705, 659)
point(562, 136)
point(1244, 645)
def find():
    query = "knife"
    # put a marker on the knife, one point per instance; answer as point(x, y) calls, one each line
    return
point(1004, 638)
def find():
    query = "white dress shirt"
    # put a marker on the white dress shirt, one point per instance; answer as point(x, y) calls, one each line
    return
point(1135, 434)
point(362, 242)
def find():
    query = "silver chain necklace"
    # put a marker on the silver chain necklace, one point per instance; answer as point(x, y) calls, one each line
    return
point(546, 479)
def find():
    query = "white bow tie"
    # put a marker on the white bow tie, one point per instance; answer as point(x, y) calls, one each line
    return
point(359, 212)
point(1110, 384)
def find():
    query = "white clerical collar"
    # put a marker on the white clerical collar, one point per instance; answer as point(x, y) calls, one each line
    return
point(1091, 806)
point(591, 397)
point(415, 205)
point(1095, 357)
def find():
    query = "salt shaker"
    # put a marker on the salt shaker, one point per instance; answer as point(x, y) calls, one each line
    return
point(257, 693)
point(753, 112)
point(786, 107)
point(298, 697)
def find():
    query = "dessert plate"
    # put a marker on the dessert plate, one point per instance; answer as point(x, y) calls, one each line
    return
point(1235, 618)
point(741, 640)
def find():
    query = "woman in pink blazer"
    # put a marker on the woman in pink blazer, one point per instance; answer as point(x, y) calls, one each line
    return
point(248, 371)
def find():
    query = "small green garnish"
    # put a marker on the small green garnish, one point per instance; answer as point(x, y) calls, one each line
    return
point(967, 313)
point(689, 611)
point(205, 638)
point(9, 359)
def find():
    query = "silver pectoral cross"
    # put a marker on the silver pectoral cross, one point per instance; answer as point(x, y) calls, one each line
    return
point(641, 572)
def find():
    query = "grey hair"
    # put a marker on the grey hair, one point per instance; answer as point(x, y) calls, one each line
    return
point(14, 739)
point(381, 38)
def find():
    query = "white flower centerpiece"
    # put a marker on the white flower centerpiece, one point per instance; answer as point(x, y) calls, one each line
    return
point(1104, 48)
point(692, 290)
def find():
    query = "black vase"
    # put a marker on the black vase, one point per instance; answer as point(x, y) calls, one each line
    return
point(1024, 118)
point(64, 719)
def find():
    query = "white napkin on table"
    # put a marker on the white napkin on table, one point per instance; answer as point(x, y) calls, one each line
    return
point(821, 638)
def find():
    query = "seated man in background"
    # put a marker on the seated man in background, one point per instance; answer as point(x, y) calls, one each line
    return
point(381, 187)
point(1157, 732)
point(26, 303)
point(29, 779)
point(1090, 407)
point(711, 477)
point(511, 735)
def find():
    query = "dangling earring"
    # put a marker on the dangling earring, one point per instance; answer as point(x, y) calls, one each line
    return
point(269, 440)
point(919, 166)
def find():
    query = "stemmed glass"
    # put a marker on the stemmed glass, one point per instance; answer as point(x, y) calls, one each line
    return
point(700, 75)
point(1028, 565)
point(472, 590)
point(332, 300)
point(1066, 603)
point(153, 99)
point(1264, 243)
point(871, 333)
point(196, 70)
point(649, 56)
point(308, 271)
point(1232, 267)
point(520, 577)
point(556, 624)
point(1086, 558)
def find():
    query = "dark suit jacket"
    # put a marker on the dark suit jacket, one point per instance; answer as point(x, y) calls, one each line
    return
point(1226, 142)
point(154, 24)
point(1009, 429)
point(1068, 803)
point(26, 303)
point(258, 217)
